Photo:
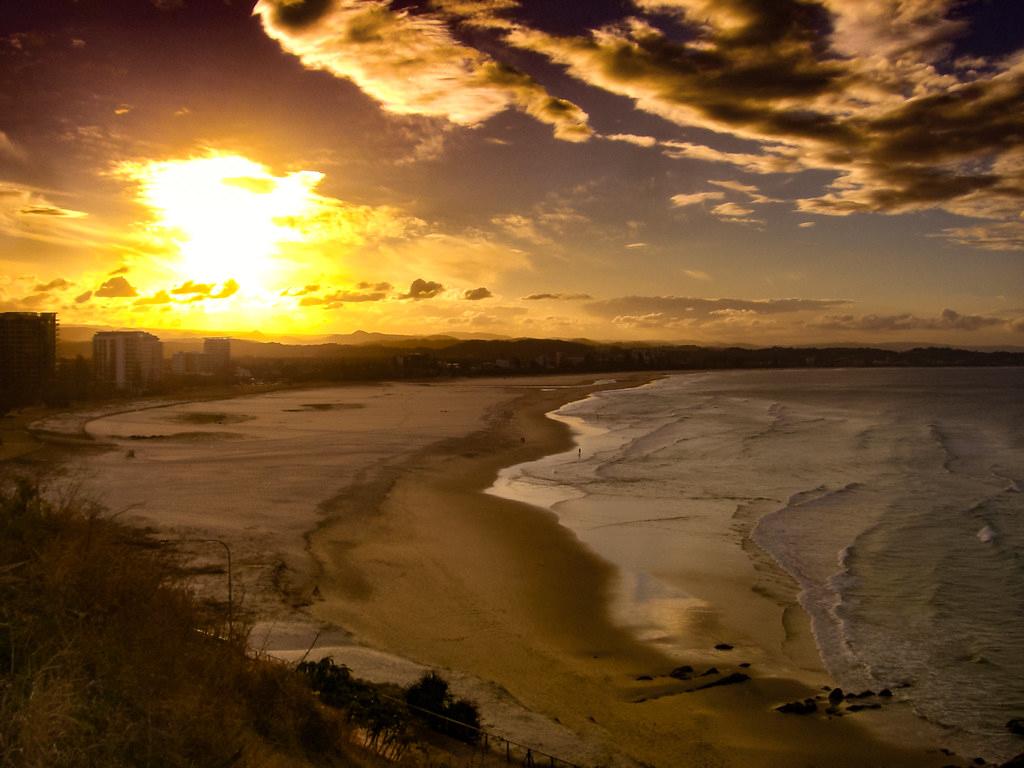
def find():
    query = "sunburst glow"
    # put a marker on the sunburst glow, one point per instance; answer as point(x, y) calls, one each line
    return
point(224, 216)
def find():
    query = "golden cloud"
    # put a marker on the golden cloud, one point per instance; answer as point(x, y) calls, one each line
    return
point(411, 64)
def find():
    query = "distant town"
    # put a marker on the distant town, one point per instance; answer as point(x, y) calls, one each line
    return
point(36, 368)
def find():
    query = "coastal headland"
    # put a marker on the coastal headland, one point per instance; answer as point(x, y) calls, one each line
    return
point(359, 516)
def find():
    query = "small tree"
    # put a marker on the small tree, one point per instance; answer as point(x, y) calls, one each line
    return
point(429, 698)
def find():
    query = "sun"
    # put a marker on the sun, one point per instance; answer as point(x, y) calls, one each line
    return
point(224, 217)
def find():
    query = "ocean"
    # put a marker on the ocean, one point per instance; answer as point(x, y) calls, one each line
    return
point(892, 498)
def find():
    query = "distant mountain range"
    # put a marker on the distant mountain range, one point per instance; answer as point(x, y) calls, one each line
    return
point(77, 340)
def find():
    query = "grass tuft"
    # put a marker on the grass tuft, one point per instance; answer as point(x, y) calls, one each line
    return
point(106, 660)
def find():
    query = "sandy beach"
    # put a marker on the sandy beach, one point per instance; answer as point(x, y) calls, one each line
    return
point(361, 513)
point(439, 571)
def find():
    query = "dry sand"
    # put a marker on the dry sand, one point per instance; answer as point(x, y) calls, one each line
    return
point(365, 507)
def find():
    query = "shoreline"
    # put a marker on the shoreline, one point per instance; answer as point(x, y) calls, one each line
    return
point(418, 567)
point(497, 578)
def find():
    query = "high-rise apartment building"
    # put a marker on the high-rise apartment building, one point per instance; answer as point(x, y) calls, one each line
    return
point(130, 360)
point(28, 355)
point(218, 356)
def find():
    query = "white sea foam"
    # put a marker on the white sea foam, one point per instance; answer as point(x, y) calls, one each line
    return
point(880, 491)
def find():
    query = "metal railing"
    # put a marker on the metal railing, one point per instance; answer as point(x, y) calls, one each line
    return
point(513, 751)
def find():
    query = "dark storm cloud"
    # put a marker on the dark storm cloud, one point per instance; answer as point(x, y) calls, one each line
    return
point(859, 87)
point(737, 78)
point(300, 13)
point(423, 289)
point(476, 294)
point(949, 320)
point(116, 288)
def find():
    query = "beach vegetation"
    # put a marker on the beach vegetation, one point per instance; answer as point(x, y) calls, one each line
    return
point(430, 699)
point(376, 710)
point(388, 716)
point(107, 660)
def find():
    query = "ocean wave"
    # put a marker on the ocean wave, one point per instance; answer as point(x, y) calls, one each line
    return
point(886, 481)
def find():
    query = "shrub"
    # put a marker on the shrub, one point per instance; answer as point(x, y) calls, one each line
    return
point(105, 660)
point(429, 699)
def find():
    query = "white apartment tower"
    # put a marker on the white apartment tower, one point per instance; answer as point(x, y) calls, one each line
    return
point(127, 360)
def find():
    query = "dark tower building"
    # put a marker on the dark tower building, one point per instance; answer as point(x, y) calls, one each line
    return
point(218, 356)
point(28, 356)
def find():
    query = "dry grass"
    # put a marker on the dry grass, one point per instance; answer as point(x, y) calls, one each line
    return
point(106, 661)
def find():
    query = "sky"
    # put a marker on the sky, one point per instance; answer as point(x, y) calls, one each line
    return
point(712, 171)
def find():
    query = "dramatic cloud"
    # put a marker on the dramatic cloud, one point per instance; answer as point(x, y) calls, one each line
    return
point(29, 213)
point(632, 138)
point(731, 210)
point(58, 284)
point(558, 296)
point(522, 228)
point(228, 288)
point(411, 64)
point(423, 289)
point(476, 294)
point(83, 297)
point(202, 291)
point(34, 301)
point(805, 82)
point(681, 312)
point(682, 201)
point(160, 297)
point(949, 320)
point(775, 159)
point(116, 288)
point(304, 291)
point(1006, 236)
point(748, 190)
point(345, 297)
point(189, 287)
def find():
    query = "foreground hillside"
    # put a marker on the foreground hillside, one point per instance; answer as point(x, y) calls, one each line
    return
point(107, 660)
